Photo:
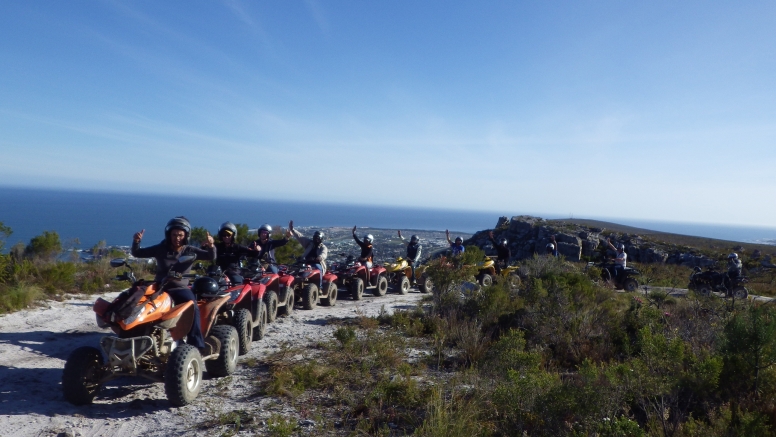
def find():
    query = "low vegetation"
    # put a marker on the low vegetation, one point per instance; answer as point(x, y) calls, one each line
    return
point(563, 355)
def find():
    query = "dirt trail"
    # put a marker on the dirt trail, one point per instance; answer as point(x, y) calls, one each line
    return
point(34, 345)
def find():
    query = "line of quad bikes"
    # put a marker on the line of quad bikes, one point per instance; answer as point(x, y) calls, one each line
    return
point(149, 330)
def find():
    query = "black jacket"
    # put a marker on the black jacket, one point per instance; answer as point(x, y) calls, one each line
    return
point(167, 258)
point(229, 256)
point(267, 254)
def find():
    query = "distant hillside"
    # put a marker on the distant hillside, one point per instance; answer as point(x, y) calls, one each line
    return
point(711, 244)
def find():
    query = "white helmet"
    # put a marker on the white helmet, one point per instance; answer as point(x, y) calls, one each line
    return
point(550, 246)
point(368, 238)
point(733, 256)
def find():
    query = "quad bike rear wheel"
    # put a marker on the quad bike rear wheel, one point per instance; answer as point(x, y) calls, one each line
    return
point(271, 298)
point(486, 280)
point(226, 362)
point(183, 375)
point(331, 296)
point(80, 379)
point(243, 323)
point(630, 284)
point(382, 286)
point(310, 296)
point(426, 286)
point(356, 288)
point(404, 285)
point(704, 290)
point(260, 328)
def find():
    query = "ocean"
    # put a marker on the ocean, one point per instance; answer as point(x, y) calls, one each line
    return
point(94, 216)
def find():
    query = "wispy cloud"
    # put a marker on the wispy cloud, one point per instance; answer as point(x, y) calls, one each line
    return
point(319, 15)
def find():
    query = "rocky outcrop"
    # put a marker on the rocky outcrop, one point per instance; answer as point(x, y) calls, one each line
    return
point(528, 235)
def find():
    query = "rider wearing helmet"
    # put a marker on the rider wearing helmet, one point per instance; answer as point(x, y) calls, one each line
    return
point(267, 247)
point(367, 250)
point(166, 253)
point(315, 252)
point(457, 247)
point(552, 247)
point(621, 260)
point(734, 266)
point(413, 253)
point(503, 254)
point(229, 252)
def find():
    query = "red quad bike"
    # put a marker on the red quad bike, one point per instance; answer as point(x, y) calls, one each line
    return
point(245, 309)
point(356, 277)
point(149, 342)
point(306, 286)
point(279, 289)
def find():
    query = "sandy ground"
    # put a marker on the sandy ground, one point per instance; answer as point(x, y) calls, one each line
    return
point(34, 345)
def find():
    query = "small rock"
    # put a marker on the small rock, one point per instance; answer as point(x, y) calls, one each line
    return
point(306, 423)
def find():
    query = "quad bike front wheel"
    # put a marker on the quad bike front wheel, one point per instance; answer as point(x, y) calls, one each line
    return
point(260, 327)
point(183, 375)
point(310, 296)
point(404, 285)
point(226, 361)
point(331, 296)
point(704, 290)
point(513, 279)
point(271, 299)
point(356, 288)
point(740, 293)
point(630, 284)
point(244, 324)
point(382, 286)
point(288, 309)
point(81, 377)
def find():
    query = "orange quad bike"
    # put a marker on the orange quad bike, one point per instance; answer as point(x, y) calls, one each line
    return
point(149, 342)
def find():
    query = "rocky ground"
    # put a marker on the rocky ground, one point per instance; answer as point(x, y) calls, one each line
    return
point(35, 343)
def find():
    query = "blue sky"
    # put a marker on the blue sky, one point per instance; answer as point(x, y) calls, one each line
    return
point(644, 110)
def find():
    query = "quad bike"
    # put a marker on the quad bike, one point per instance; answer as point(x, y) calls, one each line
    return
point(399, 274)
point(305, 286)
point(487, 274)
point(279, 289)
point(149, 342)
point(355, 277)
point(245, 309)
point(704, 282)
point(626, 280)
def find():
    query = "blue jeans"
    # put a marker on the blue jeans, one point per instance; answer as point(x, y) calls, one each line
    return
point(413, 266)
point(272, 268)
point(183, 295)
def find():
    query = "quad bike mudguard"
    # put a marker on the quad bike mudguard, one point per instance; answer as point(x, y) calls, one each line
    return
point(208, 312)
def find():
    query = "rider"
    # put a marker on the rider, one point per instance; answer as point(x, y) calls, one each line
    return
point(229, 252)
point(166, 253)
point(367, 250)
point(315, 251)
point(413, 253)
point(457, 247)
point(267, 247)
point(620, 261)
point(735, 268)
point(503, 254)
point(552, 247)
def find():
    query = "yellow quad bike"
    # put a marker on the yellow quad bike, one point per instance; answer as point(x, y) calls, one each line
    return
point(399, 274)
point(487, 274)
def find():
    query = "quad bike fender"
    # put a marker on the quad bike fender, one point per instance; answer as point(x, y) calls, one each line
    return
point(208, 312)
point(329, 277)
point(179, 320)
point(257, 291)
point(100, 306)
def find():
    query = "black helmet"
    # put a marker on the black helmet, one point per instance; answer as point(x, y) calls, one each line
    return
point(414, 239)
point(503, 242)
point(369, 238)
point(179, 222)
point(318, 237)
point(204, 285)
point(228, 226)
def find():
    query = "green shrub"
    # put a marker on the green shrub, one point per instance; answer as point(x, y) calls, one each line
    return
point(46, 246)
point(57, 277)
point(18, 296)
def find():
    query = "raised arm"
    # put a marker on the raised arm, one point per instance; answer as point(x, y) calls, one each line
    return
point(447, 234)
